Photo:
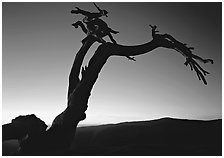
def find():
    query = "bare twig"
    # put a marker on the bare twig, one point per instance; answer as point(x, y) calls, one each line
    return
point(168, 41)
point(131, 58)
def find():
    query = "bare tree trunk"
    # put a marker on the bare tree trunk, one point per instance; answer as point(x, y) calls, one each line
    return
point(75, 70)
point(78, 100)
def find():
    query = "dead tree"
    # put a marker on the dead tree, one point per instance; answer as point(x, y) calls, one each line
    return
point(63, 128)
point(78, 98)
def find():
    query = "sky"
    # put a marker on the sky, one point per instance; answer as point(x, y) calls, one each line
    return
point(39, 45)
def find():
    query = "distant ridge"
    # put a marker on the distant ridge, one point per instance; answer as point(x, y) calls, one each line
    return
point(164, 136)
point(146, 121)
point(161, 137)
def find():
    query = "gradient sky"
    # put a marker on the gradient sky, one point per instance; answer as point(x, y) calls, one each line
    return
point(39, 45)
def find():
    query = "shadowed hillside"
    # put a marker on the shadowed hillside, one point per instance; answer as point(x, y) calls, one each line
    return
point(161, 137)
point(158, 137)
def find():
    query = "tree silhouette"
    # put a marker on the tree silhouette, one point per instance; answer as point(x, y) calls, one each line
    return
point(59, 136)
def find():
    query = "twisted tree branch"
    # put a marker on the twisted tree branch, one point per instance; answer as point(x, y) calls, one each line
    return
point(79, 96)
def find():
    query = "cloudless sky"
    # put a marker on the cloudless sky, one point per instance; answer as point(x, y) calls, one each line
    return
point(39, 45)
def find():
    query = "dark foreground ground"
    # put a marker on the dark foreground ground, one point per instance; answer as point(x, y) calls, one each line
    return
point(163, 137)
